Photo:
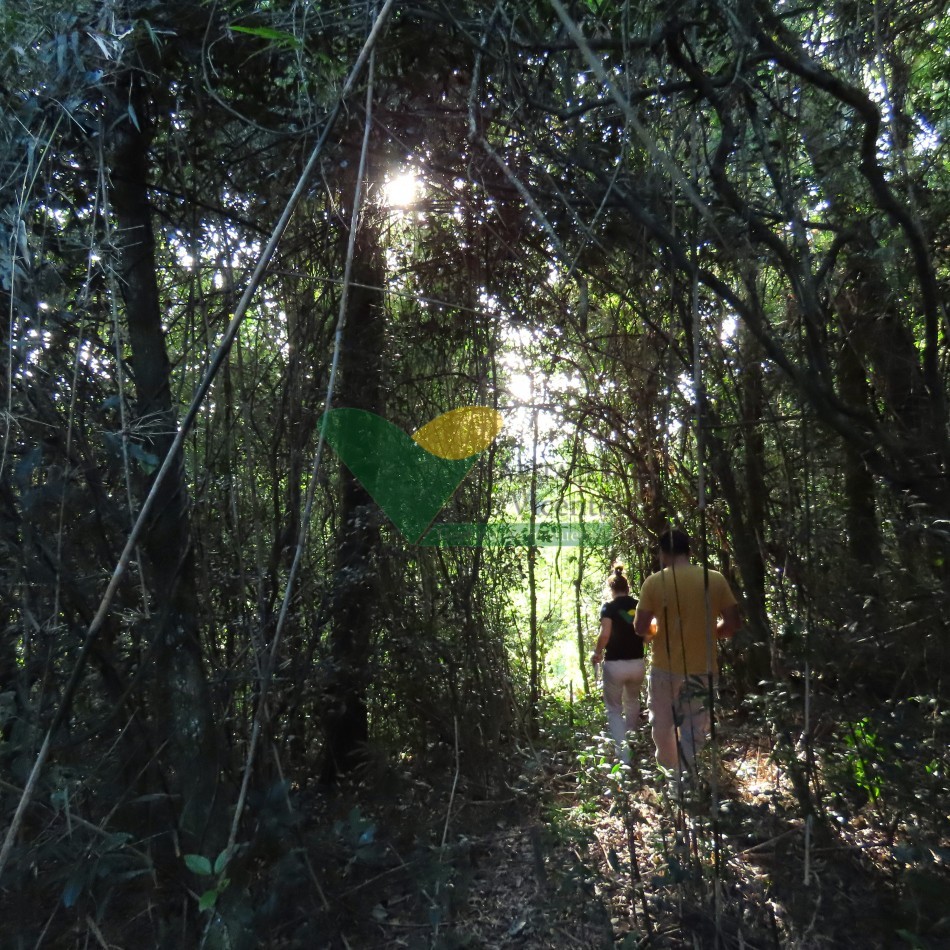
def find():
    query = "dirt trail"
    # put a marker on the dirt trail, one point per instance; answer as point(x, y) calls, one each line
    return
point(576, 852)
point(629, 861)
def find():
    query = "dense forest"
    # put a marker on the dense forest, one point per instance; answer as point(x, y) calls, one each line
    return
point(259, 686)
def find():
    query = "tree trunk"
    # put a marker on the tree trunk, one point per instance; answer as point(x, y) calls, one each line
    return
point(861, 516)
point(355, 594)
point(753, 664)
point(186, 728)
point(534, 645)
point(578, 611)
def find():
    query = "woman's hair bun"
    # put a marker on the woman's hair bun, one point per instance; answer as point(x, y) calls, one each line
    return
point(617, 582)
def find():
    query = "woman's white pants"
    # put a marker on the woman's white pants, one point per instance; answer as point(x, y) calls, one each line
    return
point(622, 682)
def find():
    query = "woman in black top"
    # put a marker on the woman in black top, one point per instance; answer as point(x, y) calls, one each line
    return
point(621, 652)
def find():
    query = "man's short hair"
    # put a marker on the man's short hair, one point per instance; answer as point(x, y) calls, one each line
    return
point(674, 541)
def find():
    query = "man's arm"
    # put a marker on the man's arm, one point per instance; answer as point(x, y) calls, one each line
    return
point(730, 622)
point(641, 622)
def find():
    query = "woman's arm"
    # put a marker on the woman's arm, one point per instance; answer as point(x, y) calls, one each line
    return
point(606, 625)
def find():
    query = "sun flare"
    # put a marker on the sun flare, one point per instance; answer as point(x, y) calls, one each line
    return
point(401, 191)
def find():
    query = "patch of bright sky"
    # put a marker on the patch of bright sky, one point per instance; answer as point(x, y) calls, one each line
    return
point(728, 329)
point(58, 215)
point(927, 138)
point(87, 356)
point(684, 383)
point(877, 91)
point(525, 392)
point(38, 341)
point(215, 246)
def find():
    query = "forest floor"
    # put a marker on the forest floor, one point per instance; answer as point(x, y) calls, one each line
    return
point(576, 852)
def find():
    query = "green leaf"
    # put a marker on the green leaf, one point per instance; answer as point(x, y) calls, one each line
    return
point(117, 839)
point(73, 889)
point(268, 33)
point(367, 836)
point(221, 861)
point(147, 460)
point(198, 863)
point(207, 900)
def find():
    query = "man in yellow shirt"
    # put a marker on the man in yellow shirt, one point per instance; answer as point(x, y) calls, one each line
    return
point(686, 600)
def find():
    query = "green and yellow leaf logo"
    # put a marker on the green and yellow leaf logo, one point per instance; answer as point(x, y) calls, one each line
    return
point(411, 477)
